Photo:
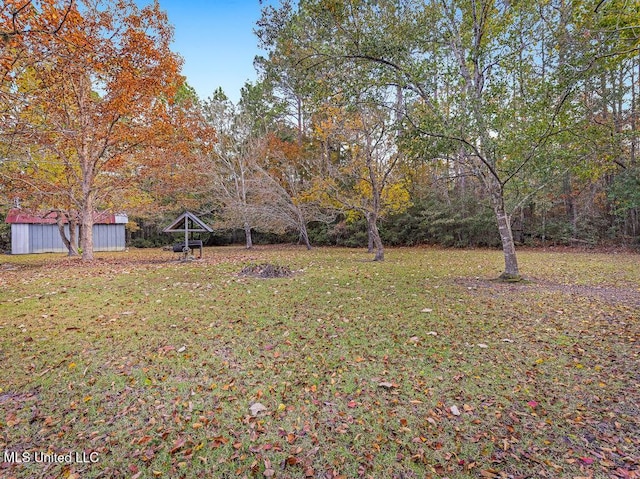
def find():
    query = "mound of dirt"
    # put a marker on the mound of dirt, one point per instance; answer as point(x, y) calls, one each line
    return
point(266, 270)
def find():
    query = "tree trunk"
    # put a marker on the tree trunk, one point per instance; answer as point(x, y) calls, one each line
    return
point(302, 227)
point(570, 204)
point(511, 271)
point(86, 231)
point(73, 233)
point(69, 243)
point(369, 236)
point(375, 237)
point(247, 236)
point(304, 236)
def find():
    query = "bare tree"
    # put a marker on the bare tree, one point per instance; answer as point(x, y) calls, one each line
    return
point(232, 165)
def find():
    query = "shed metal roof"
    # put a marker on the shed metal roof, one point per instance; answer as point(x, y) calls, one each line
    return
point(19, 216)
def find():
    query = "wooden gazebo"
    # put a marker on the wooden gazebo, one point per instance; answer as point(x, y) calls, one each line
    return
point(188, 223)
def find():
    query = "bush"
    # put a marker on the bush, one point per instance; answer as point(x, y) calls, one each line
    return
point(320, 234)
point(145, 243)
point(351, 235)
point(5, 235)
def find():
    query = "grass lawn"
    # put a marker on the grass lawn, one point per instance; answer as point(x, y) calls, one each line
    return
point(138, 366)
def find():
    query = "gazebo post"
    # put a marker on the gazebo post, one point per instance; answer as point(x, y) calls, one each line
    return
point(186, 238)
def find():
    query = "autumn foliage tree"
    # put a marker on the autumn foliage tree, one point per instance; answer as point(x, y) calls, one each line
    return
point(359, 173)
point(94, 116)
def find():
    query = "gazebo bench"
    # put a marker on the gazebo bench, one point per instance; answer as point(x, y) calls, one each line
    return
point(179, 247)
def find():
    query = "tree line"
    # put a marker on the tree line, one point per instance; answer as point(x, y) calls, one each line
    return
point(456, 122)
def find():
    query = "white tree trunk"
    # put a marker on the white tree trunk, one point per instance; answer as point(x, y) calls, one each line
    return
point(511, 270)
point(302, 227)
point(247, 235)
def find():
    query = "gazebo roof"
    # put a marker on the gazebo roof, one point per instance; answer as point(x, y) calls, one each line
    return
point(181, 224)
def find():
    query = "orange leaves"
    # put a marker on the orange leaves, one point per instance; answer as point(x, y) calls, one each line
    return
point(287, 150)
point(282, 156)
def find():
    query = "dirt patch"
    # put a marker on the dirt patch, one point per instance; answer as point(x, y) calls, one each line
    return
point(17, 399)
point(266, 270)
point(608, 294)
point(9, 267)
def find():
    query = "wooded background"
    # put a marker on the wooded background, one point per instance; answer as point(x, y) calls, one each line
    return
point(457, 122)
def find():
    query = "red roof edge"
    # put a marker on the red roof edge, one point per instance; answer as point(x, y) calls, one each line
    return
point(19, 216)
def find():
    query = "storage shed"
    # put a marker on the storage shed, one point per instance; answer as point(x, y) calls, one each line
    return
point(31, 233)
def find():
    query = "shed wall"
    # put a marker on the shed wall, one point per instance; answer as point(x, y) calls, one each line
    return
point(19, 239)
point(108, 237)
point(43, 238)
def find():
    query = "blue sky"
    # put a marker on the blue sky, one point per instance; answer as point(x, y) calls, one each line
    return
point(216, 40)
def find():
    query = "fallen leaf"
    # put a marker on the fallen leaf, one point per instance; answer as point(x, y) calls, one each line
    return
point(489, 474)
point(257, 408)
point(177, 445)
point(12, 419)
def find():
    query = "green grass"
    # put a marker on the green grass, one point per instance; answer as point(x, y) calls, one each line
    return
point(153, 365)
